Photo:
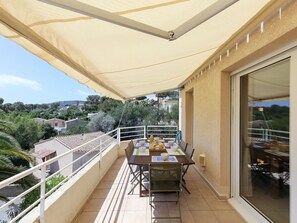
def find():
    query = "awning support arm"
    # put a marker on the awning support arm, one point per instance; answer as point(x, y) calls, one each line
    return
point(94, 12)
point(203, 16)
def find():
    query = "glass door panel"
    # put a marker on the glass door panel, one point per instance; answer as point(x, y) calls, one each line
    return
point(264, 140)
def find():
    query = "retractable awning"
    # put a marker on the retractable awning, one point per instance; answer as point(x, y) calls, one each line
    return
point(125, 49)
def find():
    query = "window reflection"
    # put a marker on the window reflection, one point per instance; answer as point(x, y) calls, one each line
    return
point(264, 142)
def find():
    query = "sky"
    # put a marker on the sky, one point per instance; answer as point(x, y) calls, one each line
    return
point(27, 78)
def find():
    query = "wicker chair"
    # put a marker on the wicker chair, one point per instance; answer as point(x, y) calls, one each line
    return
point(189, 152)
point(134, 169)
point(164, 178)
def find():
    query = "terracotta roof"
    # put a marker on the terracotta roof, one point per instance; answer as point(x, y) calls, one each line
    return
point(43, 153)
point(73, 141)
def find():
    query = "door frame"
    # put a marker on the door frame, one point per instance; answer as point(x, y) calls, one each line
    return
point(247, 211)
point(189, 116)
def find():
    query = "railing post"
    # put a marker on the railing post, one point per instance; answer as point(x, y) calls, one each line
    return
point(119, 136)
point(100, 151)
point(42, 194)
point(266, 134)
point(144, 132)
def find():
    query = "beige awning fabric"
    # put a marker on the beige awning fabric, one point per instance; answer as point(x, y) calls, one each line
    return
point(122, 62)
point(270, 83)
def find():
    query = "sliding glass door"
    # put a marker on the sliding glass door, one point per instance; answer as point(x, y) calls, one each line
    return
point(264, 140)
point(263, 105)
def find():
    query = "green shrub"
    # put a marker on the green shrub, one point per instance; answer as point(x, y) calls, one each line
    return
point(34, 195)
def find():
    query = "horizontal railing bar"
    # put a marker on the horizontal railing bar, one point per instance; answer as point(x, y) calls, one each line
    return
point(124, 137)
point(165, 134)
point(285, 132)
point(161, 130)
point(162, 126)
point(283, 137)
point(25, 211)
point(20, 196)
point(131, 127)
point(131, 131)
point(258, 134)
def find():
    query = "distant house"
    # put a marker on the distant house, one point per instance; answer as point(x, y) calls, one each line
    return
point(61, 125)
point(56, 146)
point(40, 120)
point(90, 115)
point(57, 124)
point(75, 122)
point(76, 103)
point(167, 104)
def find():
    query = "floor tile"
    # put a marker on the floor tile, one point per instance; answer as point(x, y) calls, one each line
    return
point(110, 202)
point(197, 204)
point(109, 216)
point(228, 217)
point(93, 205)
point(204, 217)
point(86, 217)
point(134, 216)
point(216, 204)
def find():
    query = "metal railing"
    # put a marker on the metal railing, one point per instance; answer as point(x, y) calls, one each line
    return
point(140, 132)
point(269, 134)
point(134, 132)
point(98, 145)
point(162, 131)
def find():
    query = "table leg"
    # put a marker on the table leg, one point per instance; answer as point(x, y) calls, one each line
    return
point(140, 184)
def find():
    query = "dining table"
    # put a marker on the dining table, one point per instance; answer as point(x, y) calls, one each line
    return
point(144, 154)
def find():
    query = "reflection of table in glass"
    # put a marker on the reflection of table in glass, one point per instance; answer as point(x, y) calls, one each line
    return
point(144, 160)
point(276, 153)
point(279, 167)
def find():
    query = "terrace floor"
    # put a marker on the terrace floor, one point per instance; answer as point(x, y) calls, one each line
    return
point(110, 201)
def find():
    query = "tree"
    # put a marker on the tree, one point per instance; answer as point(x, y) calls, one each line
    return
point(136, 113)
point(34, 195)
point(10, 149)
point(27, 132)
point(1, 101)
point(19, 106)
point(9, 146)
point(55, 105)
point(141, 98)
point(107, 105)
point(175, 113)
point(76, 130)
point(70, 113)
point(7, 107)
point(101, 122)
point(91, 105)
point(48, 131)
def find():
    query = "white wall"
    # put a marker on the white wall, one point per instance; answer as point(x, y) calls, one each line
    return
point(60, 149)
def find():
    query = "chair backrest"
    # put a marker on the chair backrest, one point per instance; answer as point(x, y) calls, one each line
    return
point(178, 136)
point(183, 145)
point(189, 151)
point(129, 149)
point(161, 176)
point(131, 144)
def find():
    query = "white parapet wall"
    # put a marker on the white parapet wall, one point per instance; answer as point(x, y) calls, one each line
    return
point(65, 204)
